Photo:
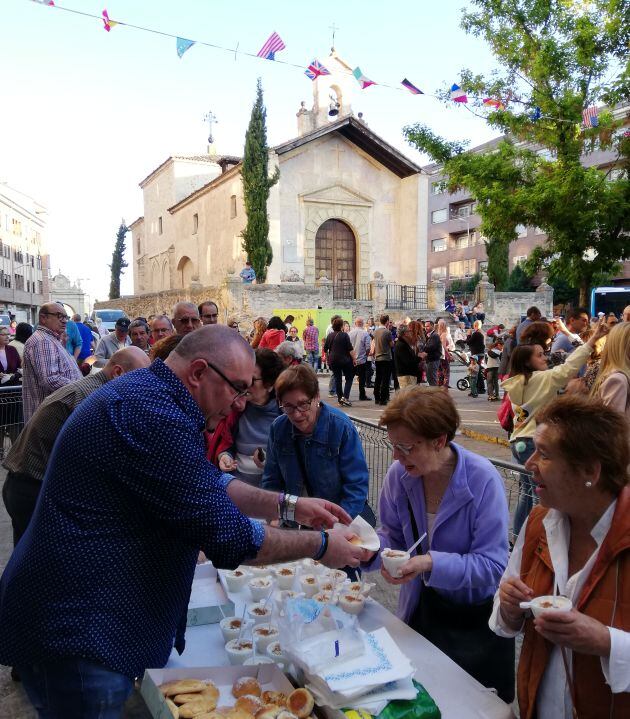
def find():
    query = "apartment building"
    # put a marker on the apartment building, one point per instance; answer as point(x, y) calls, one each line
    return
point(23, 256)
point(456, 247)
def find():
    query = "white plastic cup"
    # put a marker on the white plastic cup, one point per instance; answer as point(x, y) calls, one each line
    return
point(549, 603)
point(393, 560)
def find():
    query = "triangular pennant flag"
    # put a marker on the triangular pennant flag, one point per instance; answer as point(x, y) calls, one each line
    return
point(361, 79)
point(411, 87)
point(457, 94)
point(315, 69)
point(183, 44)
point(535, 114)
point(44, 2)
point(273, 45)
point(108, 24)
point(489, 102)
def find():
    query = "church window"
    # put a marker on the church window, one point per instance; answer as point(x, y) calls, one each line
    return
point(195, 223)
point(160, 225)
point(439, 245)
point(438, 273)
point(439, 215)
point(232, 207)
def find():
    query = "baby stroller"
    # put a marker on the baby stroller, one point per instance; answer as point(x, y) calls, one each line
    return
point(463, 384)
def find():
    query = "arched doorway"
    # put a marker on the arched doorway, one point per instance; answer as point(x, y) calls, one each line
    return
point(185, 270)
point(336, 252)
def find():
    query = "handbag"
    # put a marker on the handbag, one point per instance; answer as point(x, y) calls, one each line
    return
point(461, 631)
point(505, 414)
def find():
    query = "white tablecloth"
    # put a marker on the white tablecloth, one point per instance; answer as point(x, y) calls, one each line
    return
point(456, 693)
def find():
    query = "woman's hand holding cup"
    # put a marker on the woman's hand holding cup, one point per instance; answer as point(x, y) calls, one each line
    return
point(512, 592)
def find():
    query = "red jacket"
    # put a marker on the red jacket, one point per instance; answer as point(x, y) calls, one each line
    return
point(272, 338)
point(222, 439)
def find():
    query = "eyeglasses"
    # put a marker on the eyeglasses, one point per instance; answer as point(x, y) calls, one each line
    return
point(239, 391)
point(405, 449)
point(301, 407)
point(187, 320)
point(210, 317)
point(59, 315)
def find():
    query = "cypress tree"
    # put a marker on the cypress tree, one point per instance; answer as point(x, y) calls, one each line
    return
point(256, 186)
point(118, 261)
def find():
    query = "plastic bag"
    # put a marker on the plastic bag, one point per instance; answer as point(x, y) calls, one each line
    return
point(422, 707)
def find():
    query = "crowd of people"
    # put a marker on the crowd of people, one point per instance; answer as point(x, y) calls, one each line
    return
point(212, 442)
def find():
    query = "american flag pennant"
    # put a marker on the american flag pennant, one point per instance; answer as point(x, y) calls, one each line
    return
point(490, 102)
point(182, 45)
point(457, 94)
point(411, 87)
point(273, 45)
point(362, 79)
point(107, 23)
point(315, 69)
point(590, 117)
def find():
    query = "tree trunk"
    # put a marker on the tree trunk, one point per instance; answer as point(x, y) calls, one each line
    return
point(583, 302)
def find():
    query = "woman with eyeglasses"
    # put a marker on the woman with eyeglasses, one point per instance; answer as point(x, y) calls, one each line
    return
point(237, 445)
point(455, 499)
point(313, 449)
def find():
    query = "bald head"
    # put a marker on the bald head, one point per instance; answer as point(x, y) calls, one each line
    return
point(53, 316)
point(216, 365)
point(126, 360)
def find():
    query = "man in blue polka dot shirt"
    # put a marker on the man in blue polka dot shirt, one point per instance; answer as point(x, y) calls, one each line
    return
point(97, 586)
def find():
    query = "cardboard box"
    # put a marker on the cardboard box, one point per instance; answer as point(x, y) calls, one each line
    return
point(206, 596)
point(269, 676)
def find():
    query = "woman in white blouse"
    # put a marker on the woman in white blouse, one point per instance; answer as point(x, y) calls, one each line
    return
point(579, 539)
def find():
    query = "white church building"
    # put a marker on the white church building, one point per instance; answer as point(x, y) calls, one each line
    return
point(347, 205)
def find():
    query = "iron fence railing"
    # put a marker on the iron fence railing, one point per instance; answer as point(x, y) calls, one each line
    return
point(378, 453)
point(352, 291)
point(11, 417)
point(406, 297)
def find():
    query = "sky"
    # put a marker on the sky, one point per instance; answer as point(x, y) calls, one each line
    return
point(85, 114)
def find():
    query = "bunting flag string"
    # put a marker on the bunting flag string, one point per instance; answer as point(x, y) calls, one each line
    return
point(315, 69)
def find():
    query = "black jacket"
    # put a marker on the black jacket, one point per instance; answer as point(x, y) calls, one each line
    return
point(433, 347)
point(406, 360)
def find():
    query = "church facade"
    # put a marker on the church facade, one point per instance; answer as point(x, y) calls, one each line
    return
point(347, 205)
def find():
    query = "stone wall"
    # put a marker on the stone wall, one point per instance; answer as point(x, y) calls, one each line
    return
point(246, 302)
point(508, 307)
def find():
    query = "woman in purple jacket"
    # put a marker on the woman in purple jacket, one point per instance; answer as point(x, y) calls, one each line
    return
point(457, 498)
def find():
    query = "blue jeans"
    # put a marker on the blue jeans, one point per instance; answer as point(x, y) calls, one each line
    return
point(312, 357)
point(525, 484)
point(75, 689)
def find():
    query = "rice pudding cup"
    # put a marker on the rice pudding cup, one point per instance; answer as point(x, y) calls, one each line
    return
point(262, 570)
point(274, 650)
point(264, 634)
point(285, 577)
point(257, 614)
point(231, 626)
point(258, 659)
point(352, 603)
point(236, 580)
point(238, 652)
point(545, 603)
point(309, 584)
point(260, 587)
point(393, 559)
point(360, 588)
point(325, 598)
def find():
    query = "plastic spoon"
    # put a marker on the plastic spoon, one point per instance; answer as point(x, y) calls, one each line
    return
point(240, 633)
point(415, 544)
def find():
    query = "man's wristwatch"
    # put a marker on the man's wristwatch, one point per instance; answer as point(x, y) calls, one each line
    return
point(289, 507)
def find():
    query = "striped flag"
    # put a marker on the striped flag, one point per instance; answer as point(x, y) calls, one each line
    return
point(457, 94)
point(315, 69)
point(590, 117)
point(411, 87)
point(273, 45)
point(362, 79)
point(107, 23)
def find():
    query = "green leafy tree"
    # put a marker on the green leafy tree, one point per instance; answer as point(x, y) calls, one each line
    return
point(554, 59)
point(519, 280)
point(118, 261)
point(256, 186)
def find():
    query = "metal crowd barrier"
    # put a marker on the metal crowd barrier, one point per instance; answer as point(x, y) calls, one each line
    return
point(378, 453)
point(11, 418)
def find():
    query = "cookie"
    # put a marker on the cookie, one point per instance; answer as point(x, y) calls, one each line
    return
point(173, 709)
point(300, 703)
point(183, 686)
point(249, 703)
point(197, 706)
point(273, 697)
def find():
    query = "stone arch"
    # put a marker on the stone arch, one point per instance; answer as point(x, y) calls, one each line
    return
point(155, 277)
point(185, 272)
point(357, 219)
point(336, 251)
